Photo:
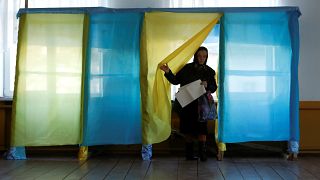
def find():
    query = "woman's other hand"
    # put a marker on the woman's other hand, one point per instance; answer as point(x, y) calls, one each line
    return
point(210, 97)
point(204, 83)
point(165, 68)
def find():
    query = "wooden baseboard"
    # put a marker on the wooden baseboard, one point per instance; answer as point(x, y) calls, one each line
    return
point(309, 105)
point(309, 126)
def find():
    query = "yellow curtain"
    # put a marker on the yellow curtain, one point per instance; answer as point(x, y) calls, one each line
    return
point(170, 38)
point(47, 97)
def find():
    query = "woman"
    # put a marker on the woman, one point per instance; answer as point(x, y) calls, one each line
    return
point(189, 123)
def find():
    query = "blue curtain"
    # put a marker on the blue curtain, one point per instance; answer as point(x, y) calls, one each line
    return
point(294, 95)
point(112, 113)
point(255, 77)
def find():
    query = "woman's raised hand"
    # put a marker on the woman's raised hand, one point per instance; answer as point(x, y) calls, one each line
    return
point(165, 68)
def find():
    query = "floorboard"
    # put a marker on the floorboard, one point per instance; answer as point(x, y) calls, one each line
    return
point(164, 167)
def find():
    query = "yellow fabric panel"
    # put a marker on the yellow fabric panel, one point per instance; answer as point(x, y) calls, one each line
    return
point(170, 38)
point(47, 95)
point(86, 23)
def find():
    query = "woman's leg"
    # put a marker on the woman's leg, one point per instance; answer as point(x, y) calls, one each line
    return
point(189, 152)
point(203, 147)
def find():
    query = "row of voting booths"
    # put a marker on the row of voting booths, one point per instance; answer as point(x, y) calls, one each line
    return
point(90, 76)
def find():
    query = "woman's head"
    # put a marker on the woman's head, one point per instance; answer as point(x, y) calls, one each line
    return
point(201, 56)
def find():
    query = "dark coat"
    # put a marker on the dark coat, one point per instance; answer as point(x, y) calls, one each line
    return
point(192, 72)
point(189, 123)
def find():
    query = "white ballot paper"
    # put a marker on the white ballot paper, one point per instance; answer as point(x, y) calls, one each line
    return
point(190, 92)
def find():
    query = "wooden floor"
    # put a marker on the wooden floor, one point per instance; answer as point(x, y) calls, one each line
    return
point(162, 167)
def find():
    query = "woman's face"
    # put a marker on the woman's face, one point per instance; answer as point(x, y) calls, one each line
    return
point(202, 56)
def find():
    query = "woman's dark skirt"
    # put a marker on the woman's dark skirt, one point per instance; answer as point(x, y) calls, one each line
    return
point(189, 123)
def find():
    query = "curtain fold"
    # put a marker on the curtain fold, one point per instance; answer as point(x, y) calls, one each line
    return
point(166, 38)
point(112, 109)
point(294, 93)
point(255, 77)
point(47, 97)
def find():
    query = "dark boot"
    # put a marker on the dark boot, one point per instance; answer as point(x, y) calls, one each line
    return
point(189, 152)
point(203, 150)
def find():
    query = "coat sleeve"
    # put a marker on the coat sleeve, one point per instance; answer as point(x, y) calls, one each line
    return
point(212, 84)
point(175, 79)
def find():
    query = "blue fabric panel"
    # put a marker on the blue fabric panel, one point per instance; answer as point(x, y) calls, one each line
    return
point(112, 113)
point(294, 95)
point(256, 75)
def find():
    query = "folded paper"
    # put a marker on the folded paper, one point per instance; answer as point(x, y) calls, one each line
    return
point(190, 92)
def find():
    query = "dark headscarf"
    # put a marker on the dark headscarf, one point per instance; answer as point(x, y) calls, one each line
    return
point(195, 58)
point(201, 69)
